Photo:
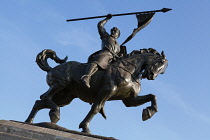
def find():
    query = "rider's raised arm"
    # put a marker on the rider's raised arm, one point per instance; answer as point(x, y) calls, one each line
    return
point(101, 30)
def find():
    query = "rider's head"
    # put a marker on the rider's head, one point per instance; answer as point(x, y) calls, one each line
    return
point(115, 32)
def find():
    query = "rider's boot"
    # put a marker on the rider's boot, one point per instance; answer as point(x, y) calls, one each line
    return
point(90, 70)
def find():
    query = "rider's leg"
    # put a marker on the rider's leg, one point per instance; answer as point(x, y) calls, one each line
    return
point(90, 70)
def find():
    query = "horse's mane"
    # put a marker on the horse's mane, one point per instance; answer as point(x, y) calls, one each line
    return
point(136, 53)
point(141, 51)
point(127, 59)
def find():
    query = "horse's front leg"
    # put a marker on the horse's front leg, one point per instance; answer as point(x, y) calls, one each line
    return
point(151, 110)
point(94, 110)
point(139, 100)
point(104, 94)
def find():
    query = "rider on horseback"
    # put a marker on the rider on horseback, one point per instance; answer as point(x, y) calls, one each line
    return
point(109, 50)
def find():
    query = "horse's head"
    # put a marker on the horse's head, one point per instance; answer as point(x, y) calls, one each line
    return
point(155, 64)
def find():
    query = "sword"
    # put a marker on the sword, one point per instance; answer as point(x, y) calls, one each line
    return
point(123, 14)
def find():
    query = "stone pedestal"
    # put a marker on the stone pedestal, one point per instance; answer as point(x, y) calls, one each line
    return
point(11, 130)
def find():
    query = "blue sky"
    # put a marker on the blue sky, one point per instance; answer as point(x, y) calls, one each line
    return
point(183, 92)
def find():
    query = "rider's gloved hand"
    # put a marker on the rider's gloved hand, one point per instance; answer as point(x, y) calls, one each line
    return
point(109, 16)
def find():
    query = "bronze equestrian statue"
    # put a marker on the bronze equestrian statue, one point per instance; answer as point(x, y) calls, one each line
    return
point(120, 81)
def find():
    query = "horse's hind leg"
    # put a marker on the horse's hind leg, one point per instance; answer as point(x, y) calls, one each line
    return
point(54, 112)
point(51, 91)
point(46, 102)
point(47, 96)
point(139, 100)
point(39, 104)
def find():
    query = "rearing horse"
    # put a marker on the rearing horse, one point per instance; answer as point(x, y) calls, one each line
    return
point(121, 81)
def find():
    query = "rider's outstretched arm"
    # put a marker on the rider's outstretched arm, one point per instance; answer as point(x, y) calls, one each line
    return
point(101, 30)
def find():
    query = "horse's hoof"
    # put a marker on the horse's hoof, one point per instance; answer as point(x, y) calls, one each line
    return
point(146, 114)
point(54, 116)
point(86, 131)
point(29, 120)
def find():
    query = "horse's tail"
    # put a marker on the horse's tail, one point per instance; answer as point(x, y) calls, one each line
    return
point(42, 57)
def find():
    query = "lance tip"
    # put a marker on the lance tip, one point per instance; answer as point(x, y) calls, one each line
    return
point(165, 10)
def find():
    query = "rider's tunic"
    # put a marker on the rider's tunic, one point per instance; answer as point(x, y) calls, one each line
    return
point(109, 47)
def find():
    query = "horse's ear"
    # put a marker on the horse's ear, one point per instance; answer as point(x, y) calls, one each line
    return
point(163, 54)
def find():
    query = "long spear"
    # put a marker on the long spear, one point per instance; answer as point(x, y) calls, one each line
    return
point(154, 11)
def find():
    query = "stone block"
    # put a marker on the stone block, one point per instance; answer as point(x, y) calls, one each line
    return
point(12, 130)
